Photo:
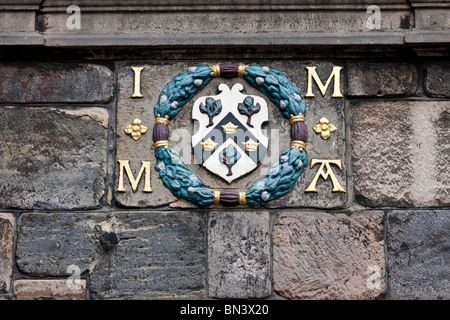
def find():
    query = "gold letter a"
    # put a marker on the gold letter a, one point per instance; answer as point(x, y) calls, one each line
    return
point(329, 173)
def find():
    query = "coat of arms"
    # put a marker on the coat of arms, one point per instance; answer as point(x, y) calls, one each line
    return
point(229, 141)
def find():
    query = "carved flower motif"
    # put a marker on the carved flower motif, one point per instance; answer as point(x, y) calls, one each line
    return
point(136, 129)
point(324, 128)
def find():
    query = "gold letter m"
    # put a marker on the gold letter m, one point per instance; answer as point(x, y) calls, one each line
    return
point(312, 74)
point(125, 164)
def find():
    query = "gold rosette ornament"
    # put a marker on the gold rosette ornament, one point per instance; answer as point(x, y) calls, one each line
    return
point(136, 129)
point(324, 128)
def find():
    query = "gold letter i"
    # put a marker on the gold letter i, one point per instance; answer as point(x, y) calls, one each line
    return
point(137, 82)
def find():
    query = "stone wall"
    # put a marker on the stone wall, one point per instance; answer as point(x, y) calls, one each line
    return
point(67, 233)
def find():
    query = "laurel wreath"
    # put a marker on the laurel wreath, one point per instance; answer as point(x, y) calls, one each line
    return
point(281, 176)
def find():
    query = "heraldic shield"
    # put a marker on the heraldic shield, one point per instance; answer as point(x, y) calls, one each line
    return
point(229, 141)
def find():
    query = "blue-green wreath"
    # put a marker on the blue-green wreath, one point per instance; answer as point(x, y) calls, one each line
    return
point(281, 176)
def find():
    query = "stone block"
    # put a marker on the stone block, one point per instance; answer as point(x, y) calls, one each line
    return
point(159, 255)
point(55, 82)
point(18, 3)
point(17, 21)
point(323, 256)
point(239, 255)
point(317, 107)
point(418, 255)
point(247, 19)
point(153, 79)
point(432, 18)
point(399, 153)
point(54, 289)
point(7, 226)
point(52, 158)
point(155, 76)
point(175, 4)
point(130, 255)
point(381, 79)
point(429, 37)
point(48, 244)
point(437, 83)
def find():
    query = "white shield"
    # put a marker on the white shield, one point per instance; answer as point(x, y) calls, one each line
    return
point(229, 141)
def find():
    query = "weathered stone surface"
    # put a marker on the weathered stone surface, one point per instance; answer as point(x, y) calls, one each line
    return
point(429, 37)
point(47, 244)
point(156, 75)
point(55, 82)
point(55, 289)
point(437, 83)
point(399, 153)
point(239, 255)
point(158, 254)
point(321, 256)
point(246, 19)
point(432, 18)
point(333, 148)
point(153, 80)
point(174, 4)
point(52, 158)
point(381, 79)
point(418, 254)
point(7, 225)
point(17, 21)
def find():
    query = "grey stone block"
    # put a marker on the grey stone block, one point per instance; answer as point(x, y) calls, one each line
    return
point(158, 254)
point(323, 256)
point(55, 82)
point(381, 79)
point(432, 18)
point(253, 19)
point(52, 158)
point(418, 255)
point(47, 244)
point(153, 80)
point(239, 255)
point(49, 289)
point(7, 227)
point(437, 83)
point(17, 21)
point(399, 152)
point(235, 40)
point(428, 36)
point(21, 2)
point(15, 39)
point(332, 148)
point(176, 3)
